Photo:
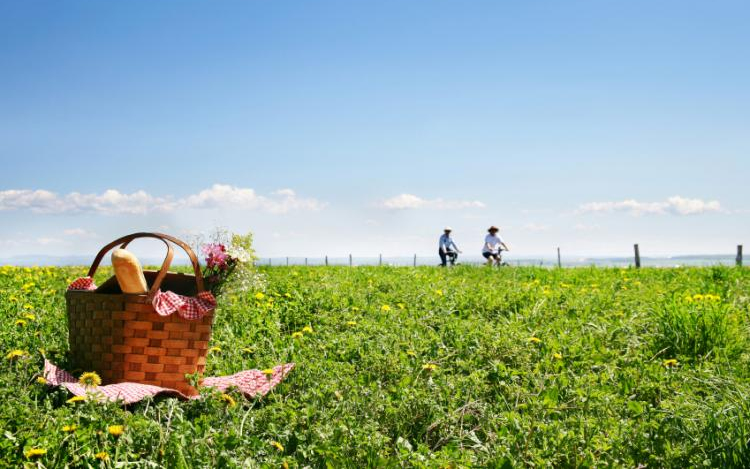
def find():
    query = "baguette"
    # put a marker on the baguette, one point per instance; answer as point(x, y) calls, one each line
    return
point(129, 272)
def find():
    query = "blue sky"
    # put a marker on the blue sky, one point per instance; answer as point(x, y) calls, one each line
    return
point(335, 127)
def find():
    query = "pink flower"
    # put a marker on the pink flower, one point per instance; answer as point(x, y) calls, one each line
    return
point(216, 255)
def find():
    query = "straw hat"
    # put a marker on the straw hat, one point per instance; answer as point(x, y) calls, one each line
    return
point(493, 228)
point(447, 228)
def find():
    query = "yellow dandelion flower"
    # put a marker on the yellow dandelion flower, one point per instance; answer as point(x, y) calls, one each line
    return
point(248, 350)
point(20, 322)
point(116, 430)
point(557, 356)
point(535, 340)
point(15, 354)
point(28, 306)
point(297, 335)
point(355, 308)
point(411, 353)
point(29, 316)
point(229, 400)
point(277, 445)
point(70, 428)
point(351, 323)
point(101, 456)
point(307, 329)
point(287, 295)
point(401, 305)
point(75, 399)
point(385, 308)
point(259, 296)
point(429, 367)
point(268, 371)
point(41, 380)
point(671, 362)
point(439, 292)
point(90, 378)
point(215, 349)
point(35, 453)
point(698, 297)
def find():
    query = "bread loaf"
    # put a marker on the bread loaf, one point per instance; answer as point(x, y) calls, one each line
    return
point(129, 272)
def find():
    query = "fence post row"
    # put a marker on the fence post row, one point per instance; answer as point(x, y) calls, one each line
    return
point(637, 257)
point(739, 255)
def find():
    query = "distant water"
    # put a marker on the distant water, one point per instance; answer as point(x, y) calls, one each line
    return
point(675, 261)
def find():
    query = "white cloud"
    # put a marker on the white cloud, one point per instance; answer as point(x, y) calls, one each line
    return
point(79, 233)
point(535, 227)
point(674, 205)
point(584, 227)
point(113, 202)
point(411, 201)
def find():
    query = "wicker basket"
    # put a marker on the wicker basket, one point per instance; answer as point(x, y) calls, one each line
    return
point(122, 337)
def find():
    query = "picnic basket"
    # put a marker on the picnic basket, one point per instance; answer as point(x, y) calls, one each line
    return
point(124, 339)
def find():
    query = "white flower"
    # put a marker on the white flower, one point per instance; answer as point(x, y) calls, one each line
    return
point(239, 253)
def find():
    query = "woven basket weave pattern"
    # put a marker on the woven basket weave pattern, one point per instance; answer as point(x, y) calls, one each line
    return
point(123, 339)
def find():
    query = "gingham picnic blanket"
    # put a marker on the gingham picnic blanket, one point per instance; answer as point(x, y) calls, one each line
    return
point(165, 303)
point(250, 383)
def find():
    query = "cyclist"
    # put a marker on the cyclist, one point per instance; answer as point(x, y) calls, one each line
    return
point(447, 249)
point(493, 246)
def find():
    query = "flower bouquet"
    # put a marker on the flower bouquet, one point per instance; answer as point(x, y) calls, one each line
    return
point(229, 264)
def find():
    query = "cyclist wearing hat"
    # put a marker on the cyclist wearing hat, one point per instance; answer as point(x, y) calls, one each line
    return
point(493, 245)
point(447, 249)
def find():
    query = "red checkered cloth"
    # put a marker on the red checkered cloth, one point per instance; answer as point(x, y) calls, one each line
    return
point(250, 383)
point(188, 307)
point(166, 303)
point(82, 283)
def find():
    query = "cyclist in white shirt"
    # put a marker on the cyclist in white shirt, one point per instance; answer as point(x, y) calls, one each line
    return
point(493, 246)
point(447, 249)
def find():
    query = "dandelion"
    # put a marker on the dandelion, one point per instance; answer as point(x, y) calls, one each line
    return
point(351, 323)
point(101, 456)
point(669, 363)
point(355, 308)
point(215, 349)
point(28, 306)
point(41, 380)
point(535, 340)
point(287, 295)
point(401, 305)
point(259, 296)
point(385, 308)
point(15, 354)
point(439, 292)
point(20, 322)
point(268, 371)
point(228, 399)
point(90, 378)
point(75, 399)
point(297, 335)
point(277, 445)
point(248, 350)
point(411, 353)
point(429, 367)
point(307, 329)
point(698, 297)
point(70, 428)
point(35, 453)
point(29, 316)
point(557, 356)
point(116, 430)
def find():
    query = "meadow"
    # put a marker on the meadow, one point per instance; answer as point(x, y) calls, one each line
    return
point(416, 367)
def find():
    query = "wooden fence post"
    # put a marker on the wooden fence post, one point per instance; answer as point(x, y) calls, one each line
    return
point(269, 261)
point(559, 261)
point(287, 261)
point(305, 261)
point(415, 260)
point(350, 260)
point(380, 260)
point(739, 255)
point(637, 256)
point(326, 261)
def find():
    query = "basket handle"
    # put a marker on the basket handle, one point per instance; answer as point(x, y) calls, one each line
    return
point(125, 240)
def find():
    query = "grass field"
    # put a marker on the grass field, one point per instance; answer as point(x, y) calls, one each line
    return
point(402, 367)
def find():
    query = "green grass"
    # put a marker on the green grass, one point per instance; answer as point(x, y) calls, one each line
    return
point(533, 367)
